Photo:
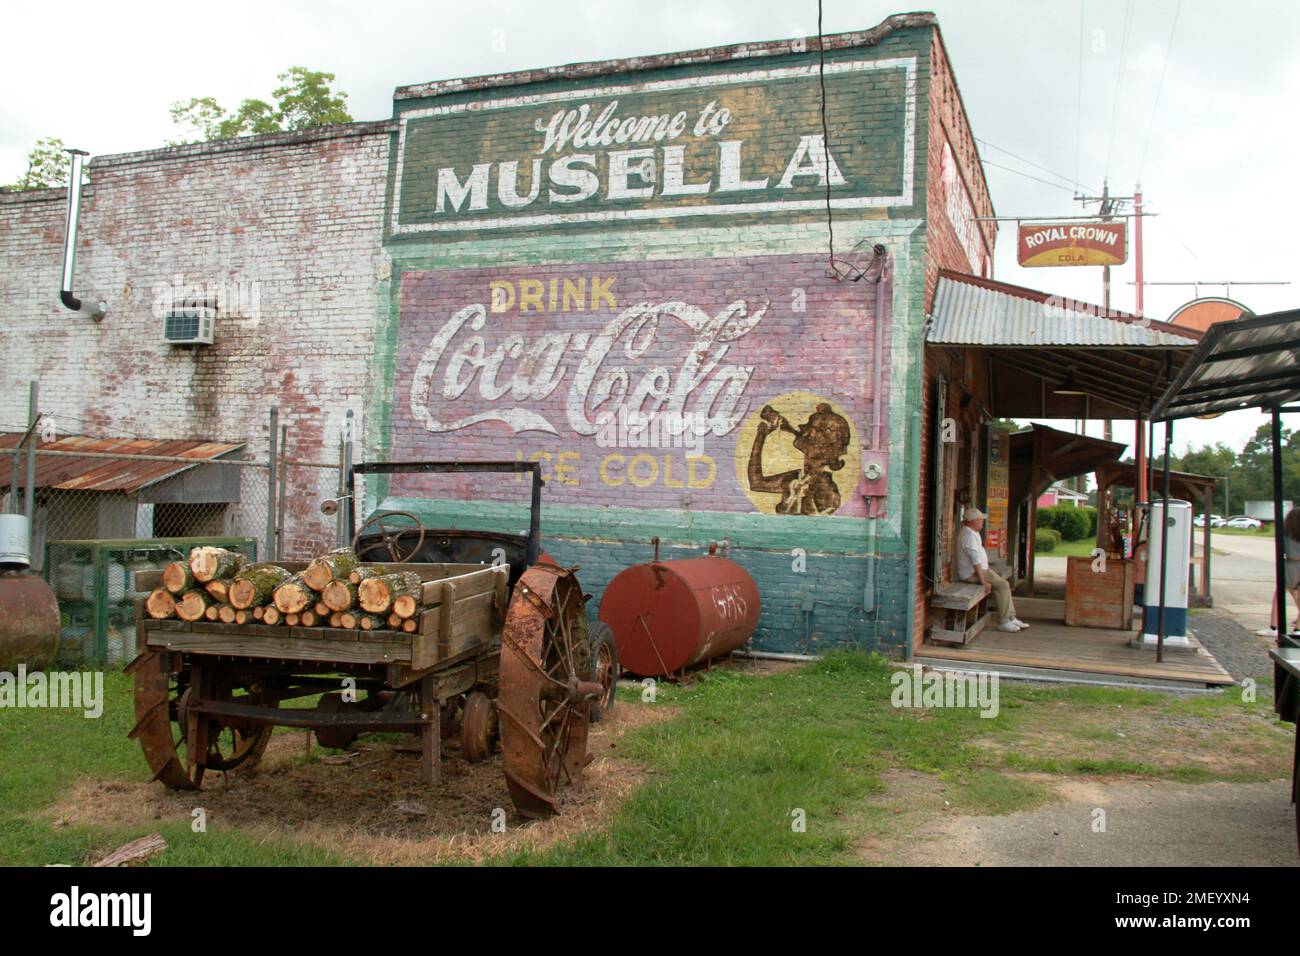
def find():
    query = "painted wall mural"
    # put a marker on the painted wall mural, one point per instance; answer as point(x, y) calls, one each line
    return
point(674, 149)
point(707, 384)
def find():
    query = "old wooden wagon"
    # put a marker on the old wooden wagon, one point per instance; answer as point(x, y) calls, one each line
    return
point(503, 652)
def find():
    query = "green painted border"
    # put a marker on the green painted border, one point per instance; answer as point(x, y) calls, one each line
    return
point(617, 525)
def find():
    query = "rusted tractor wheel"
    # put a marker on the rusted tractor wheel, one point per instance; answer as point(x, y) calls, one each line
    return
point(604, 667)
point(545, 697)
point(478, 727)
point(167, 727)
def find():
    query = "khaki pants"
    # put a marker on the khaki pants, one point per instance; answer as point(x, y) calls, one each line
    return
point(1001, 594)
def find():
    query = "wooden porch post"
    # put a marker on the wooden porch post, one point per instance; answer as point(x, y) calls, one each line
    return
point(1033, 514)
point(1206, 597)
point(1103, 509)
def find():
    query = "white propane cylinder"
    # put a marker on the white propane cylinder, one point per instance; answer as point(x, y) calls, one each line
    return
point(68, 580)
point(14, 540)
point(1174, 550)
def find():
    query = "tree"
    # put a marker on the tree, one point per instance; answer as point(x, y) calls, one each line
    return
point(305, 99)
point(47, 165)
point(1248, 473)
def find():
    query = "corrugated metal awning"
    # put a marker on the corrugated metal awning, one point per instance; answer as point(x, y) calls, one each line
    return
point(1251, 362)
point(75, 473)
point(971, 311)
point(1054, 357)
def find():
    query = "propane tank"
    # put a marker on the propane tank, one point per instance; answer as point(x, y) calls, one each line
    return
point(29, 614)
point(668, 615)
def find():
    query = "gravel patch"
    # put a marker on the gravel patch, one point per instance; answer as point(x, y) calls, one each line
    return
point(1242, 653)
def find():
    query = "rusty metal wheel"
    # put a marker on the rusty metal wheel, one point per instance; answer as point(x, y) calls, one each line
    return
point(545, 695)
point(604, 667)
point(478, 727)
point(166, 728)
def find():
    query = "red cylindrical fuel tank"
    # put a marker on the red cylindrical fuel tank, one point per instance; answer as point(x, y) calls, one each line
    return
point(667, 615)
point(29, 621)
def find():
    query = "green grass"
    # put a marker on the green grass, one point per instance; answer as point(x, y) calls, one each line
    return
point(44, 752)
point(1070, 549)
point(740, 759)
point(747, 751)
point(1265, 532)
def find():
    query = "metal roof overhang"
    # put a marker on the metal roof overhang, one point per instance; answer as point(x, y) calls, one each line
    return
point(1251, 362)
point(1034, 341)
point(82, 463)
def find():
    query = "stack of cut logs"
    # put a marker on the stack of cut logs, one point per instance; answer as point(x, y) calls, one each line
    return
point(334, 590)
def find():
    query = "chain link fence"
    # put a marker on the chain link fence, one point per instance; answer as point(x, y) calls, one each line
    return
point(97, 518)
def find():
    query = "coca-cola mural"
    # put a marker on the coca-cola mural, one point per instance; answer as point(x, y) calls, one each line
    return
point(707, 384)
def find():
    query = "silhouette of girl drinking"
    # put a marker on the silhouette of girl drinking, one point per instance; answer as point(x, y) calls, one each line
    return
point(811, 490)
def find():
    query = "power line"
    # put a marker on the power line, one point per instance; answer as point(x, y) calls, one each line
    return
point(1030, 162)
point(1078, 96)
point(1045, 182)
point(1169, 49)
point(1119, 78)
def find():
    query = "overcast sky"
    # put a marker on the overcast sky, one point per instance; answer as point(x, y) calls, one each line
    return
point(1207, 123)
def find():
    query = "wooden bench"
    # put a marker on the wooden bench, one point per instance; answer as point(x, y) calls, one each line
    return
point(963, 612)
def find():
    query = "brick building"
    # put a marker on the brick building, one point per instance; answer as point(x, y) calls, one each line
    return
point(521, 265)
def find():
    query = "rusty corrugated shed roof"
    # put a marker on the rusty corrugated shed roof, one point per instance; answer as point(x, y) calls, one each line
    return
point(971, 311)
point(111, 474)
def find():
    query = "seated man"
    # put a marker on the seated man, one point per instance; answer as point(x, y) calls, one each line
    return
point(973, 566)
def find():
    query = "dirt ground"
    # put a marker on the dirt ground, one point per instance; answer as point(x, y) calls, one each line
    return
point(369, 805)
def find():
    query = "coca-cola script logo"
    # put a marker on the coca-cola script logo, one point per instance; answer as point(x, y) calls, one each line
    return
point(457, 361)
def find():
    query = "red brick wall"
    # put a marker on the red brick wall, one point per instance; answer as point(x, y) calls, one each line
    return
point(943, 250)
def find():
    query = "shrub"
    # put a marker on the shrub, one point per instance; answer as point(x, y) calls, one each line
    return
point(1071, 522)
point(1092, 519)
point(1046, 518)
point(1045, 540)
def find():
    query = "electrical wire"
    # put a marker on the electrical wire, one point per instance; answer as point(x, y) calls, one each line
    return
point(1030, 162)
point(1037, 179)
point(1119, 77)
point(826, 140)
point(1078, 96)
point(1169, 49)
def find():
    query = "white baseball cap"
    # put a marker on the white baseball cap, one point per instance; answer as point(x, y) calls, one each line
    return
point(971, 513)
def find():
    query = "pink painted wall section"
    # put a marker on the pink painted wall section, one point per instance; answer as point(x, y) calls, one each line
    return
point(730, 385)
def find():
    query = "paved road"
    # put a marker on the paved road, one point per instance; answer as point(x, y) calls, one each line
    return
point(1242, 577)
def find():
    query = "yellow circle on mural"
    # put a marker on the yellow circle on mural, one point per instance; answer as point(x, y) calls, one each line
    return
point(798, 454)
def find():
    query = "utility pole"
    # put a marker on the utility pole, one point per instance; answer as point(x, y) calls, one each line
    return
point(1108, 208)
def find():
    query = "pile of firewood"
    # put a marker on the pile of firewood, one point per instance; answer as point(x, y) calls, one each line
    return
point(334, 590)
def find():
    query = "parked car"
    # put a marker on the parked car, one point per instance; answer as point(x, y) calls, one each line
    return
point(1216, 521)
point(1244, 521)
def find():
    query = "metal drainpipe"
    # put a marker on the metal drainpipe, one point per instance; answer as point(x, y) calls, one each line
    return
point(869, 602)
point(29, 492)
point(96, 310)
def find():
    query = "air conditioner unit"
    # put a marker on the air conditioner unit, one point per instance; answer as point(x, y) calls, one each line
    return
point(192, 325)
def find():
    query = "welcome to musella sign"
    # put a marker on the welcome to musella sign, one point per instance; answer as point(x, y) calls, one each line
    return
point(1073, 244)
point(716, 143)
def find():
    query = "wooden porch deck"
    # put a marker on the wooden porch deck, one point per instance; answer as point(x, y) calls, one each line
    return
point(1052, 646)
